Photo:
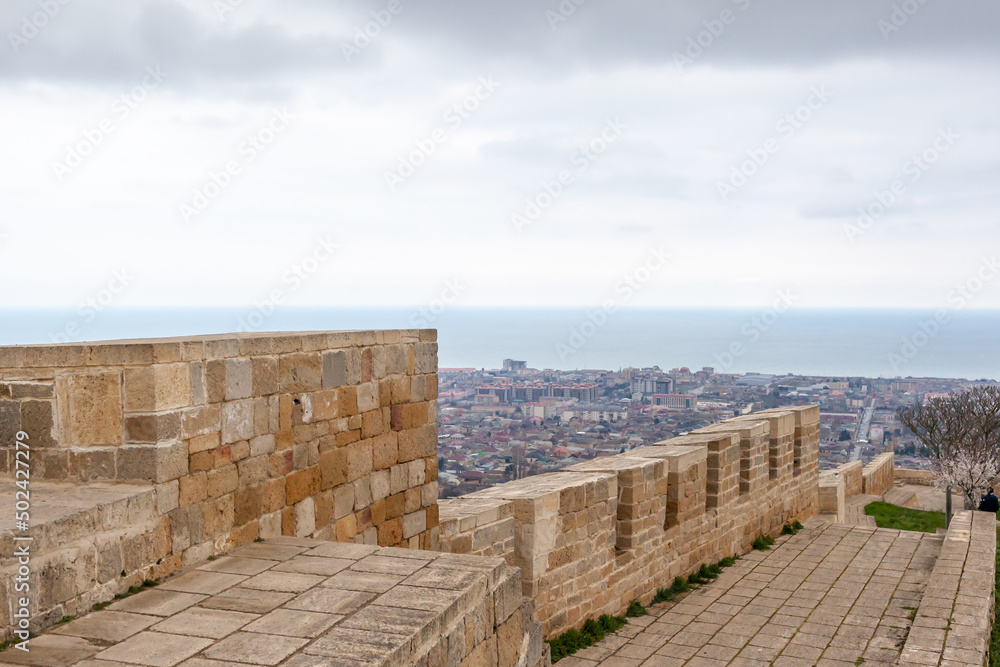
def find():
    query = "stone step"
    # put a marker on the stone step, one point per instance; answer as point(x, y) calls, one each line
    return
point(61, 513)
point(88, 544)
point(902, 497)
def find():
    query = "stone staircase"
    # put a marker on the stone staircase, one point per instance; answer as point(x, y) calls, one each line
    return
point(88, 543)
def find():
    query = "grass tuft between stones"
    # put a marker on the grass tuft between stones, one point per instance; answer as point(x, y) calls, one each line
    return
point(593, 631)
point(635, 609)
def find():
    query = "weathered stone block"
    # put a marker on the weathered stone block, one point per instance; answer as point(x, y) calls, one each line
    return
point(237, 421)
point(334, 368)
point(152, 428)
point(38, 421)
point(301, 484)
point(300, 372)
point(93, 408)
point(239, 383)
point(265, 376)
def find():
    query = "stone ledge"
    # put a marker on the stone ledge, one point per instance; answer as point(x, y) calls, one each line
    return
point(306, 602)
point(959, 598)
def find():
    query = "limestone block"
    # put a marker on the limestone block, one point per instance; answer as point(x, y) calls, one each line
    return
point(264, 381)
point(157, 387)
point(334, 368)
point(781, 440)
point(10, 420)
point(152, 428)
point(754, 451)
point(92, 463)
point(368, 396)
point(92, 410)
point(215, 380)
point(237, 421)
point(199, 392)
point(239, 382)
point(218, 516)
point(852, 474)
point(222, 480)
point(414, 523)
point(158, 463)
point(305, 518)
point(167, 496)
point(300, 372)
point(201, 420)
point(642, 487)
point(301, 484)
point(831, 495)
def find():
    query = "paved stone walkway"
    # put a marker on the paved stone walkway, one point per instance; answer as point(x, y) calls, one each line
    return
point(304, 603)
point(830, 595)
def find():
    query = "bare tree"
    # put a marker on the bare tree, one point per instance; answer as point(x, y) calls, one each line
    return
point(962, 431)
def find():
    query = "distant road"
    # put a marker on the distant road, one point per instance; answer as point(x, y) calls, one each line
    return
point(864, 428)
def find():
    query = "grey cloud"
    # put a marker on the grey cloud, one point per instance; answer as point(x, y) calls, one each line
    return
point(607, 32)
point(99, 41)
point(113, 42)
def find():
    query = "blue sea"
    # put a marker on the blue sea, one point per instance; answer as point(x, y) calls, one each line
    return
point(872, 343)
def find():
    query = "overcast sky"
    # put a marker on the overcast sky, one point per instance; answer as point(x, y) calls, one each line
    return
point(211, 149)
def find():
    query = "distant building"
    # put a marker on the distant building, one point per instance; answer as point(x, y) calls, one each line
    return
point(661, 384)
point(678, 401)
point(595, 413)
point(512, 365)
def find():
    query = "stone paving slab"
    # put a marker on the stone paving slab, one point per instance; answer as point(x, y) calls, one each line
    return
point(296, 602)
point(830, 595)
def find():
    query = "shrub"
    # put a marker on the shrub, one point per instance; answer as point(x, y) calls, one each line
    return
point(763, 543)
point(635, 609)
point(592, 632)
point(663, 595)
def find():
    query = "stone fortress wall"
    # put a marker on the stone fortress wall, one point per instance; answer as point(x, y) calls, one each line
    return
point(147, 456)
point(596, 535)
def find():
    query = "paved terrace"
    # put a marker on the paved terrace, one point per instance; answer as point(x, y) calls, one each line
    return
point(830, 595)
point(308, 603)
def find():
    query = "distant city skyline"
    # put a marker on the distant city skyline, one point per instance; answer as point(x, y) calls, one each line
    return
point(389, 152)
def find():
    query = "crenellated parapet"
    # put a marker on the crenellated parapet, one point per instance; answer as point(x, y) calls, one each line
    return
point(594, 536)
